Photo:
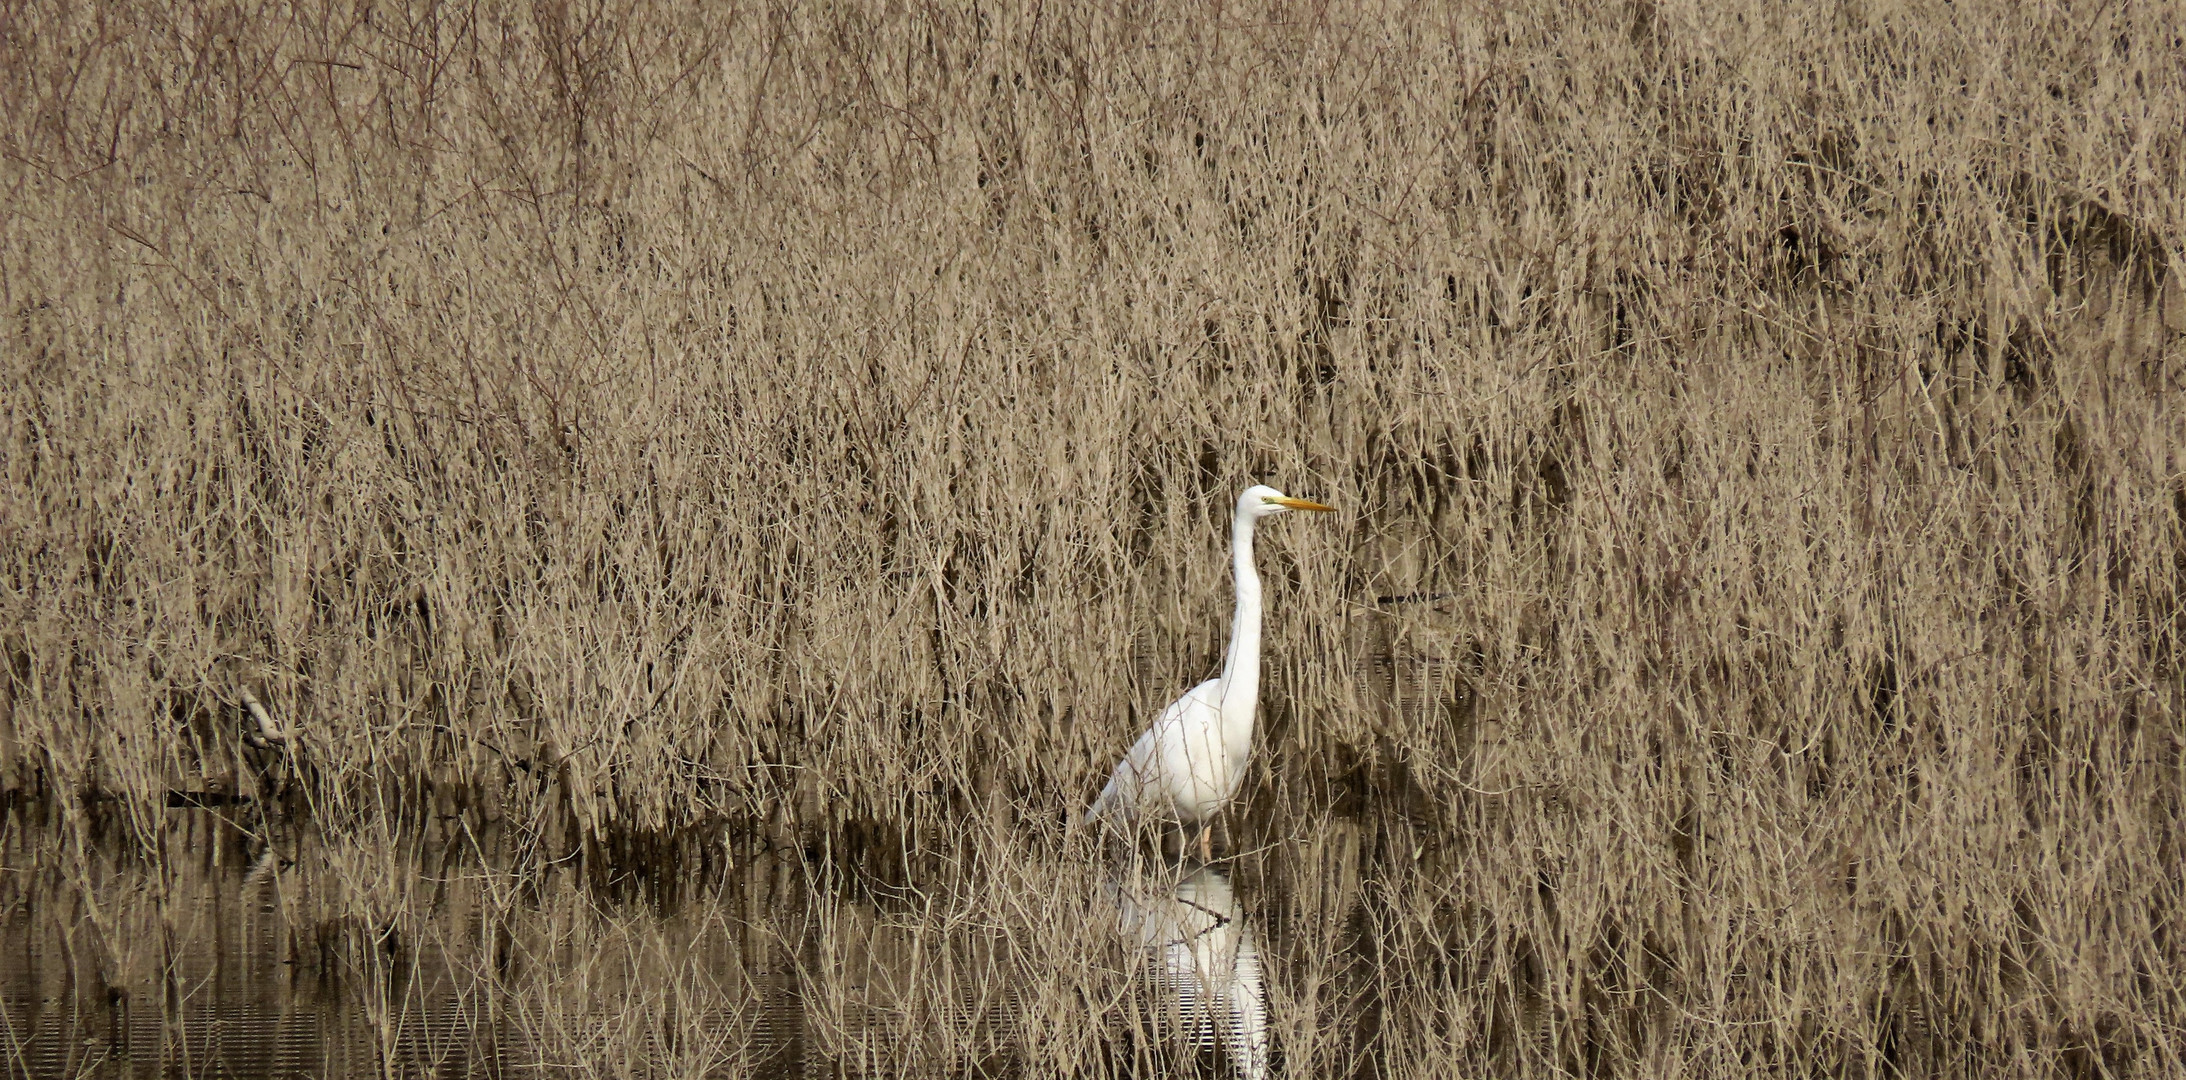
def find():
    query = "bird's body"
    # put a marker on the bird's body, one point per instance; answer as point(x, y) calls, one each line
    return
point(1186, 766)
point(1190, 762)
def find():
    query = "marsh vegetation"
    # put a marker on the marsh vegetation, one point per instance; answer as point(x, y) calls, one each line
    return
point(726, 483)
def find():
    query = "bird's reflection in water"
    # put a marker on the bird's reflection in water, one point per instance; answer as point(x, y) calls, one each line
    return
point(1204, 964)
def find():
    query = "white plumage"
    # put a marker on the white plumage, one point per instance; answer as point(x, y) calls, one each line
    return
point(1191, 761)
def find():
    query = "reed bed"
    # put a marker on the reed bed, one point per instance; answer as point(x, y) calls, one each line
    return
point(1751, 642)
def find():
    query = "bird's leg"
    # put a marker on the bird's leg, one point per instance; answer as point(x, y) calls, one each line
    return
point(1206, 841)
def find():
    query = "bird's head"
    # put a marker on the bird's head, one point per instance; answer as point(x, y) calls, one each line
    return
point(1261, 501)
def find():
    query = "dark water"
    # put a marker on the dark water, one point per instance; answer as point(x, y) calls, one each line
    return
point(197, 968)
point(250, 952)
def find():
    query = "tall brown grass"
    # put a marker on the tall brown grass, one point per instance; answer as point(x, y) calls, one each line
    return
point(1752, 641)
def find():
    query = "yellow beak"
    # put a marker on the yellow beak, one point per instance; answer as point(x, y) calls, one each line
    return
point(1301, 504)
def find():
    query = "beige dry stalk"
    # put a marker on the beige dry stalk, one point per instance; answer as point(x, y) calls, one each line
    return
point(1753, 633)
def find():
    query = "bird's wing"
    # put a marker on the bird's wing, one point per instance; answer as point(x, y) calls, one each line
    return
point(1141, 763)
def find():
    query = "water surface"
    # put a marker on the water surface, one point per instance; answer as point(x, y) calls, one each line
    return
point(251, 951)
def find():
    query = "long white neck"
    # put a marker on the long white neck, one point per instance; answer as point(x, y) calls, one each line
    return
point(1241, 668)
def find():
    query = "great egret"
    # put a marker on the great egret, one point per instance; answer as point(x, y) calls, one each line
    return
point(1192, 759)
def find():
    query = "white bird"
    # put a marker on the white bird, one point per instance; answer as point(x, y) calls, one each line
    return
point(1191, 761)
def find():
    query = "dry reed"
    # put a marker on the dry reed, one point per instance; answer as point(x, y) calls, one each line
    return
point(1752, 641)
